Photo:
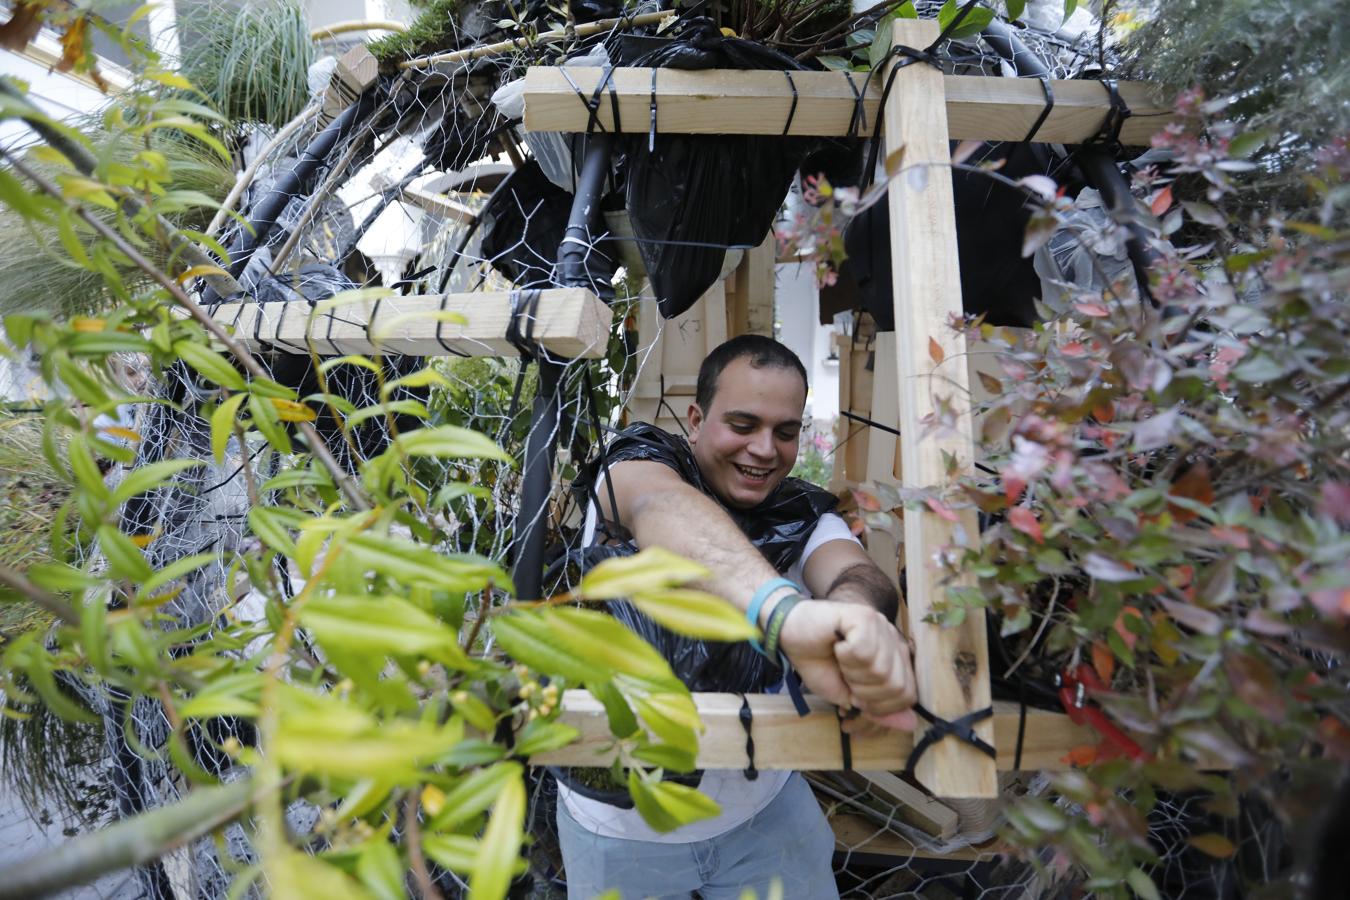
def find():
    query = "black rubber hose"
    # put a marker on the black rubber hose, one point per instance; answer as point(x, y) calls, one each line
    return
point(577, 243)
point(263, 216)
point(531, 526)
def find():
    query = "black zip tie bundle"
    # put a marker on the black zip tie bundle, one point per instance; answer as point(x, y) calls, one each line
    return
point(440, 321)
point(747, 718)
point(963, 729)
point(1108, 134)
point(792, 110)
point(524, 306)
point(592, 103)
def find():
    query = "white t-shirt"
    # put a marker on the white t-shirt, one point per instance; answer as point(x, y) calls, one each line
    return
point(739, 797)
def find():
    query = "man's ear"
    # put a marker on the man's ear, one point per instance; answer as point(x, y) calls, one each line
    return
point(695, 417)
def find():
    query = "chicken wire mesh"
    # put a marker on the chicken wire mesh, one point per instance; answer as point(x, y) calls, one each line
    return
point(434, 134)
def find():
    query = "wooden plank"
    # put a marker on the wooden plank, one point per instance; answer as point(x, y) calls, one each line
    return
point(784, 740)
point(937, 818)
point(951, 664)
point(718, 101)
point(883, 447)
point(750, 292)
point(568, 322)
point(679, 345)
point(439, 205)
point(356, 70)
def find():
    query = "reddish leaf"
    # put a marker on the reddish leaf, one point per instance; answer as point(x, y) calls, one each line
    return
point(1335, 501)
point(941, 510)
point(1161, 201)
point(1094, 309)
point(855, 526)
point(1122, 629)
point(1082, 755)
point(1194, 485)
point(1073, 349)
point(1333, 735)
point(1024, 520)
point(1104, 661)
point(935, 351)
point(1193, 617)
point(1232, 536)
point(1332, 602)
point(991, 384)
point(1255, 684)
point(1213, 844)
point(1012, 488)
point(866, 502)
point(1104, 412)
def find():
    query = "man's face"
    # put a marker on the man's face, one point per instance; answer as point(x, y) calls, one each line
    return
point(746, 442)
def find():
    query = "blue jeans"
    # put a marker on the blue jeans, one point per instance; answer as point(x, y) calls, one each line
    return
point(788, 840)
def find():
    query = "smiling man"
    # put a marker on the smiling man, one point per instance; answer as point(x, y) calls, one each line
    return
point(772, 545)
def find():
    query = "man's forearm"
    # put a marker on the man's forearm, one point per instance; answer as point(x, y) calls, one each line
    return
point(865, 583)
point(686, 522)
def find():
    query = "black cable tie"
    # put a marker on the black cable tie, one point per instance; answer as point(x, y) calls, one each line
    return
point(651, 135)
point(845, 748)
point(792, 110)
point(963, 729)
point(1109, 132)
point(608, 81)
point(848, 414)
point(858, 121)
point(1045, 111)
point(524, 305)
point(747, 717)
point(794, 687)
point(1021, 722)
point(440, 321)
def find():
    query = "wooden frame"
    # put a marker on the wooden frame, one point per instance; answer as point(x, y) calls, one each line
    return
point(785, 740)
point(568, 322)
point(719, 101)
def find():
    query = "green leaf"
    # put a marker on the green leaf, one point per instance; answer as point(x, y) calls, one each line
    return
point(906, 10)
point(666, 806)
point(85, 469)
point(145, 477)
point(381, 870)
point(1142, 885)
point(210, 364)
point(474, 793)
point(58, 576)
point(268, 423)
point(458, 489)
point(448, 442)
point(491, 873)
point(580, 645)
point(881, 44)
point(270, 528)
point(124, 558)
point(673, 718)
point(695, 614)
point(393, 408)
point(292, 478)
point(305, 877)
point(1069, 7)
point(541, 736)
point(37, 665)
point(419, 566)
point(176, 569)
point(667, 757)
point(649, 570)
point(835, 63)
point(457, 852)
point(474, 710)
point(1015, 9)
point(379, 627)
point(623, 721)
point(231, 695)
point(222, 425)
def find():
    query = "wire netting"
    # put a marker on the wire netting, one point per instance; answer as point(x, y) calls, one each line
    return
point(400, 201)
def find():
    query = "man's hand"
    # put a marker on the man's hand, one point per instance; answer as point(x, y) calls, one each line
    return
point(853, 657)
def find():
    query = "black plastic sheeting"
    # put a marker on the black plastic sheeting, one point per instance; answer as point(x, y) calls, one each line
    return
point(991, 217)
point(779, 528)
point(690, 197)
point(523, 226)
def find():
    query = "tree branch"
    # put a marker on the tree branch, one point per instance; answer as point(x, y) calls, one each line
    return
point(17, 581)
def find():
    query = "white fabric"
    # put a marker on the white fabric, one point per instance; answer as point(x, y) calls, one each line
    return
point(739, 798)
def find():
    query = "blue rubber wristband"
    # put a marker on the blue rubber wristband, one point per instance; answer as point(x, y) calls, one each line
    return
point(766, 590)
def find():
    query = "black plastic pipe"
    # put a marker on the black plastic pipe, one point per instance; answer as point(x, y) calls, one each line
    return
point(577, 243)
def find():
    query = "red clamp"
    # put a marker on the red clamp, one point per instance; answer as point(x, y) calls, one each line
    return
point(1075, 690)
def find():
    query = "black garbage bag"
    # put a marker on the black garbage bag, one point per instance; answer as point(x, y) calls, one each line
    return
point(523, 226)
point(690, 197)
point(779, 528)
point(991, 217)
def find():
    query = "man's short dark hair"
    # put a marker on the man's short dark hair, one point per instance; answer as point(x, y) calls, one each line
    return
point(761, 351)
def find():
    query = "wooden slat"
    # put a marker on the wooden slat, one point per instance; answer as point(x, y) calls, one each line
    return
point(720, 101)
point(569, 322)
point(784, 740)
point(439, 205)
point(856, 834)
point(951, 664)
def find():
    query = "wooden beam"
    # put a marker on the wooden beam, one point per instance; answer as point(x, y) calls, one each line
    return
point(717, 101)
point(568, 322)
point(951, 664)
point(438, 205)
point(856, 834)
point(784, 740)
